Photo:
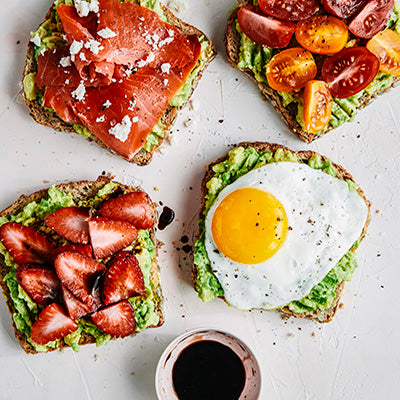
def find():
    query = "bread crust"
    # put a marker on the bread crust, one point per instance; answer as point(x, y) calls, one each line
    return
point(82, 190)
point(303, 157)
point(142, 157)
point(288, 114)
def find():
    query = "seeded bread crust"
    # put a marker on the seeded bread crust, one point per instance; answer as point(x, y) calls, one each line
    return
point(288, 114)
point(303, 157)
point(143, 157)
point(82, 190)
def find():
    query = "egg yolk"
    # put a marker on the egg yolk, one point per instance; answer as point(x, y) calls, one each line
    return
point(249, 226)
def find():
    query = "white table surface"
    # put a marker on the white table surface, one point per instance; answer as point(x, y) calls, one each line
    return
point(357, 356)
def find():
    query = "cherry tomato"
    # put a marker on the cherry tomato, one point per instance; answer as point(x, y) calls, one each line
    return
point(322, 34)
point(386, 46)
point(343, 8)
point(350, 71)
point(265, 30)
point(291, 69)
point(372, 18)
point(317, 106)
point(289, 10)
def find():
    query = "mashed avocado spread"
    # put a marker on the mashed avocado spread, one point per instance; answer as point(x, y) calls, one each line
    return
point(26, 311)
point(51, 36)
point(255, 58)
point(239, 162)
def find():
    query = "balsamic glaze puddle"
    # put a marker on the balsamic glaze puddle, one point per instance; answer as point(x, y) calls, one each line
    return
point(166, 217)
point(208, 370)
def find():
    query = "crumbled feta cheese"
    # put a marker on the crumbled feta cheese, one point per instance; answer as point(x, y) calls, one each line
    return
point(163, 42)
point(36, 40)
point(67, 81)
point(94, 46)
point(75, 48)
point(149, 59)
point(165, 68)
point(65, 61)
point(106, 33)
point(135, 119)
point(82, 57)
point(79, 92)
point(83, 7)
point(121, 131)
point(141, 19)
point(166, 82)
point(171, 32)
point(107, 104)
point(101, 118)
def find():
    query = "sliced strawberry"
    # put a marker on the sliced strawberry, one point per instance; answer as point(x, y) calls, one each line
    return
point(84, 249)
point(123, 279)
point(117, 320)
point(76, 309)
point(70, 223)
point(134, 208)
point(53, 323)
point(80, 275)
point(109, 236)
point(26, 244)
point(41, 284)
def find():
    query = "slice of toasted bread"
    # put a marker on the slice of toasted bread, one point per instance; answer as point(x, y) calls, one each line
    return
point(288, 114)
point(142, 157)
point(80, 191)
point(303, 157)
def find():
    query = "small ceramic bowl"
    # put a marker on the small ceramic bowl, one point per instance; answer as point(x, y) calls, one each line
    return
point(164, 385)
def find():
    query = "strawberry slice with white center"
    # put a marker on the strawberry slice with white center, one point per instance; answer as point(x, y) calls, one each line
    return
point(53, 323)
point(26, 244)
point(41, 284)
point(76, 309)
point(84, 249)
point(117, 320)
point(134, 208)
point(123, 279)
point(109, 236)
point(80, 275)
point(70, 223)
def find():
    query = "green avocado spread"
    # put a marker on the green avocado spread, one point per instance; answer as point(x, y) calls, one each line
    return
point(255, 58)
point(26, 311)
point(51, 36)
point(240, 161)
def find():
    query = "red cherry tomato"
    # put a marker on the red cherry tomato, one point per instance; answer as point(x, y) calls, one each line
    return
point(322, 34)
point(343, 8)
point(317, 106)
point(350, 71)
point(265, 30)
point(372, 18)
point(291, 69)
point(289, 10)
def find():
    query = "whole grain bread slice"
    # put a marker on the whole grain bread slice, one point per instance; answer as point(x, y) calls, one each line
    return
point(80, 191)
point(142, 157)
point(288, 114)
point(303, 157)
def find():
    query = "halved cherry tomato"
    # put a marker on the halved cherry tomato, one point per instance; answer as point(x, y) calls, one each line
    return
point(265, 30)
point(322, 34)
point(289, 10)
point(350, 71)
point(317, 106)
point(343, 8)
point(372, 18)
point(386, 46)
point(291, 69)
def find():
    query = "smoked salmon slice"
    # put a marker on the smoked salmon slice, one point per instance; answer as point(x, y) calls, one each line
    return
point(119, 73)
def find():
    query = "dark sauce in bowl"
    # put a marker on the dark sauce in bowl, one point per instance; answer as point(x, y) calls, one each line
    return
point(208, 370)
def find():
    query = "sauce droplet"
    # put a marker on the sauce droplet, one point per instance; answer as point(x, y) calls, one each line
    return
point(166, 217)
point(208, 370)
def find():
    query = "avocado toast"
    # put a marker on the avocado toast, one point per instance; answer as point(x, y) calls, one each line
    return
point(30, 217)
point(253, 59)
point(152, 90)
point(322, 302)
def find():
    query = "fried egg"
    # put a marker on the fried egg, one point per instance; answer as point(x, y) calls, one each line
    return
point(274, 233)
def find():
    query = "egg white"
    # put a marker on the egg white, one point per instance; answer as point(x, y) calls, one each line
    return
point(325, 220)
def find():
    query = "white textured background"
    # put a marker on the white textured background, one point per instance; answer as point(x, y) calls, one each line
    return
point(357, 356)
